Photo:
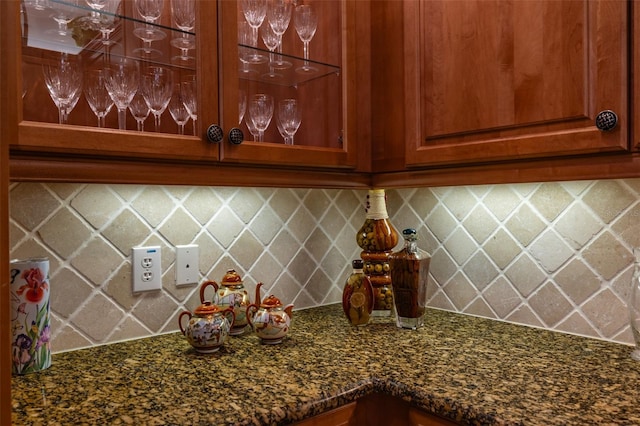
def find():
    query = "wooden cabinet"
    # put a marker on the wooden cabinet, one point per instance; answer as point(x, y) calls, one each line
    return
point(482, 81)
point(376, 409)
point(331, 99)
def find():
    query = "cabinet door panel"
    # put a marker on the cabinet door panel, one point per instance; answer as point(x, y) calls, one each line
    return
point(326, 137)
point(495, 80)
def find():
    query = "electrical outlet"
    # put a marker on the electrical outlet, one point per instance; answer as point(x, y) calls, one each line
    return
point(147, 268)
point(187, 265)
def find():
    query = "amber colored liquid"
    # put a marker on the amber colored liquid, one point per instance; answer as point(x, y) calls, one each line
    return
point(409, 276)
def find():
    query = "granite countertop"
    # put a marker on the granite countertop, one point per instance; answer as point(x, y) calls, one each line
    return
point(475, 370)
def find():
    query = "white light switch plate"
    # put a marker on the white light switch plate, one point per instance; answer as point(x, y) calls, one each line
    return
point(147, 268)
point(187, 264)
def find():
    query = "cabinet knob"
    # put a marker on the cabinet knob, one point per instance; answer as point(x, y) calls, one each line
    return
point(606, 120)
point(215, 133)
point(236, 136)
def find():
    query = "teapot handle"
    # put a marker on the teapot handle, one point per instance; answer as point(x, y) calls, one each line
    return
point(226, 313)
point(180, 320)
point(252, 307)
point(204, 286)
point(289, 310)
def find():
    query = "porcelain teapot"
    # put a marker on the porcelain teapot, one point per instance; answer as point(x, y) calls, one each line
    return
point(231, 293)
point(207, 328)
point(271, 320)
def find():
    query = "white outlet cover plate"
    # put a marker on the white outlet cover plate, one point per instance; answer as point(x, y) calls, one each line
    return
point(187, 264)
point(147, 268)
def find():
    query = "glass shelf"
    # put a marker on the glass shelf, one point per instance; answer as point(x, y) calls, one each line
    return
point(298, 71)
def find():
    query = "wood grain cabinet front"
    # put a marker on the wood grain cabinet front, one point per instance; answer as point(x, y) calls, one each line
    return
point(377, 409)
point(490, 81)
point(63, 50)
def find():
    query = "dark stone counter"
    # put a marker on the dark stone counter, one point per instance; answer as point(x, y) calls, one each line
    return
point(473, 370)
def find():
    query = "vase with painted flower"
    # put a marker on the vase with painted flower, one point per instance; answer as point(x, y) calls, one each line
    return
point(30, 320)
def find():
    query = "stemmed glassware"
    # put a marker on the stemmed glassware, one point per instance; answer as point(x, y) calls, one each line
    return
point(156, 84)
point(261, 112)
point(279, 16)
point(254, 12)
point(97, 95)
point(289, 118)
point(190, 98)
point(150, 11)
point(139, 110)
point(63, 14)
point(245, 38)
point(178, 110)
point(184, 16)
point(242, 105)
point(122, 80)
point(64, 83)
point(305, 20)
point(271, 40)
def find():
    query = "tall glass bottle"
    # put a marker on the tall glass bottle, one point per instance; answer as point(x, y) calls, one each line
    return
point(357, 296)
point(409, 273)
point(377, 237)
point(634, 304)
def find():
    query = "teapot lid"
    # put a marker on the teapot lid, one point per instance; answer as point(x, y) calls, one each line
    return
point(271, 302)
point(207, 308)
point(231, 278)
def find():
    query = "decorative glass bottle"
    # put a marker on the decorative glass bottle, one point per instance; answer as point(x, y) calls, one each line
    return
point(634, 304)
point(409, 273)
point(357, 296)
point(377, 238)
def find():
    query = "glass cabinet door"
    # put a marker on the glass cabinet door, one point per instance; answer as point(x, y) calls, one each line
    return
point(284, 81)
point(117, 76)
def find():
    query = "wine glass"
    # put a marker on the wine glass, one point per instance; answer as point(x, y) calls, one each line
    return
point(97, 95)
point(285, 136)
point(242, 105)
point(150, 11)
point(178, 110)
point(306, 23)
point(63, 79)
point(279, 16)
point(261, 112)
point(245, 38)
point(107, 22)
point(271, 40)
point(252, 129)
point(289, 118)
point(96, 6)
point(63, 14)
point(254, 12)
point(139, 110)
point(122, 80)
point(156, 84)
point(184, 16)
point(190, 98)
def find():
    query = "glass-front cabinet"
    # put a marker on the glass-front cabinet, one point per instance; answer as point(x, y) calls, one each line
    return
point(257, 82)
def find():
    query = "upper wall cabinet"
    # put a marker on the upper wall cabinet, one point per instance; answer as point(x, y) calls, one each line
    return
point(489, 81)
point(256, 82)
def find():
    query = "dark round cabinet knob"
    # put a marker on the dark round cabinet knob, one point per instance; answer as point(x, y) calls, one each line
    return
point(606, 120)
point(236, 136)
point(215, 133)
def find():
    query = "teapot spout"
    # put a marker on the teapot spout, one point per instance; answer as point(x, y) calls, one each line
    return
point(289, 310)
point(258, 297)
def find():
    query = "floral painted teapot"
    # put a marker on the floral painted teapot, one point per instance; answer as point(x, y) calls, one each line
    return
point(208, 327)
point(231, 293)
point(271, 320)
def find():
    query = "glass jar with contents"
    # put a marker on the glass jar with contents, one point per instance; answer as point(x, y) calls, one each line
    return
point(409, 273)
point(377, 237)
point(357, 296)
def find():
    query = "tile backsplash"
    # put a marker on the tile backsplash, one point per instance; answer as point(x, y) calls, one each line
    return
point(551, 255)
